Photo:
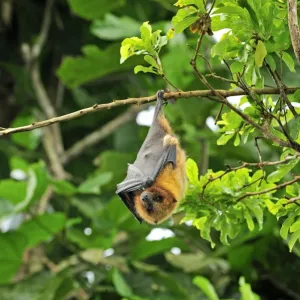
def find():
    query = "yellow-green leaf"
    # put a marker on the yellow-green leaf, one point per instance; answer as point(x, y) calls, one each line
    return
point(260, 53)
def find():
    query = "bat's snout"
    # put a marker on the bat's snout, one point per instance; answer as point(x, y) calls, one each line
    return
point(147, 198)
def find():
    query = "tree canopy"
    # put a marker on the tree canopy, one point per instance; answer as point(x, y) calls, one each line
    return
point(74, 76)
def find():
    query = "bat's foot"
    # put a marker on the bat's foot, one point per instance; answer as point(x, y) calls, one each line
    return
point(160, 97)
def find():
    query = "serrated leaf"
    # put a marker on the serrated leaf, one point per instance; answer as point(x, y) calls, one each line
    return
point(260, 53)
point(206, 287)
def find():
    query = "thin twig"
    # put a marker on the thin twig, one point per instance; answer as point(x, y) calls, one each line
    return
point(278, 81)
point(246, 165)
point(293, 200)
point(276, 188)
point(260, 157)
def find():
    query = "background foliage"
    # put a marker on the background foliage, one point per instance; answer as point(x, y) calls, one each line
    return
point(64, 233)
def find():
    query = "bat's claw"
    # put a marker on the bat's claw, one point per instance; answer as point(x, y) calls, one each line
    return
point(160, 97)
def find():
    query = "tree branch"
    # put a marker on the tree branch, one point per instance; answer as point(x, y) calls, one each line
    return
point(276, 188)
point(141, 100)
point(294, 27)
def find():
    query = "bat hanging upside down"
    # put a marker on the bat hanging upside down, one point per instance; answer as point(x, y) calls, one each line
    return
point(156, 181)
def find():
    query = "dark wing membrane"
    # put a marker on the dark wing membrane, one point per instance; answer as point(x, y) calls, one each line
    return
point(127, 198)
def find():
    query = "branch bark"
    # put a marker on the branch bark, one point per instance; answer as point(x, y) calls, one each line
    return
point(141, 100)
point(294, 27)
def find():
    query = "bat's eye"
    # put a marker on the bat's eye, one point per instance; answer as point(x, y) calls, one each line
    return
point(159, 199)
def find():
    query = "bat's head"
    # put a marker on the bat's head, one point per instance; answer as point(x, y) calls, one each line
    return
point(154, 204)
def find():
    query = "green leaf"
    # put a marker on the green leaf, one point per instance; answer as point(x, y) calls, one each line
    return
point(120, 284)
point(143, 69)
point(294, 127)
point(94, 9)
point(98, 239)
point(11, 252)
point(144, 249)
point(93, 184)
point(185, 23)
point(237, 140)
point(286, 227)
point(295, 226)
point(236, 67)
point(288, 61)
point(249, 219)
point(29, 139)
point(13, 191)
point(63, 187)
point(198, 3)
point(42, 228)
point(297, 96)
point(271, 62)
point(206, 287)
point(260, 53)
point(293, 239)
point(192, 171)
point(282, 171)
point(224, 138)
point(18, 163)
point(94, 64)
point(246, 291)
point(114, 28)
point(146, 36)
point(36, 185)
